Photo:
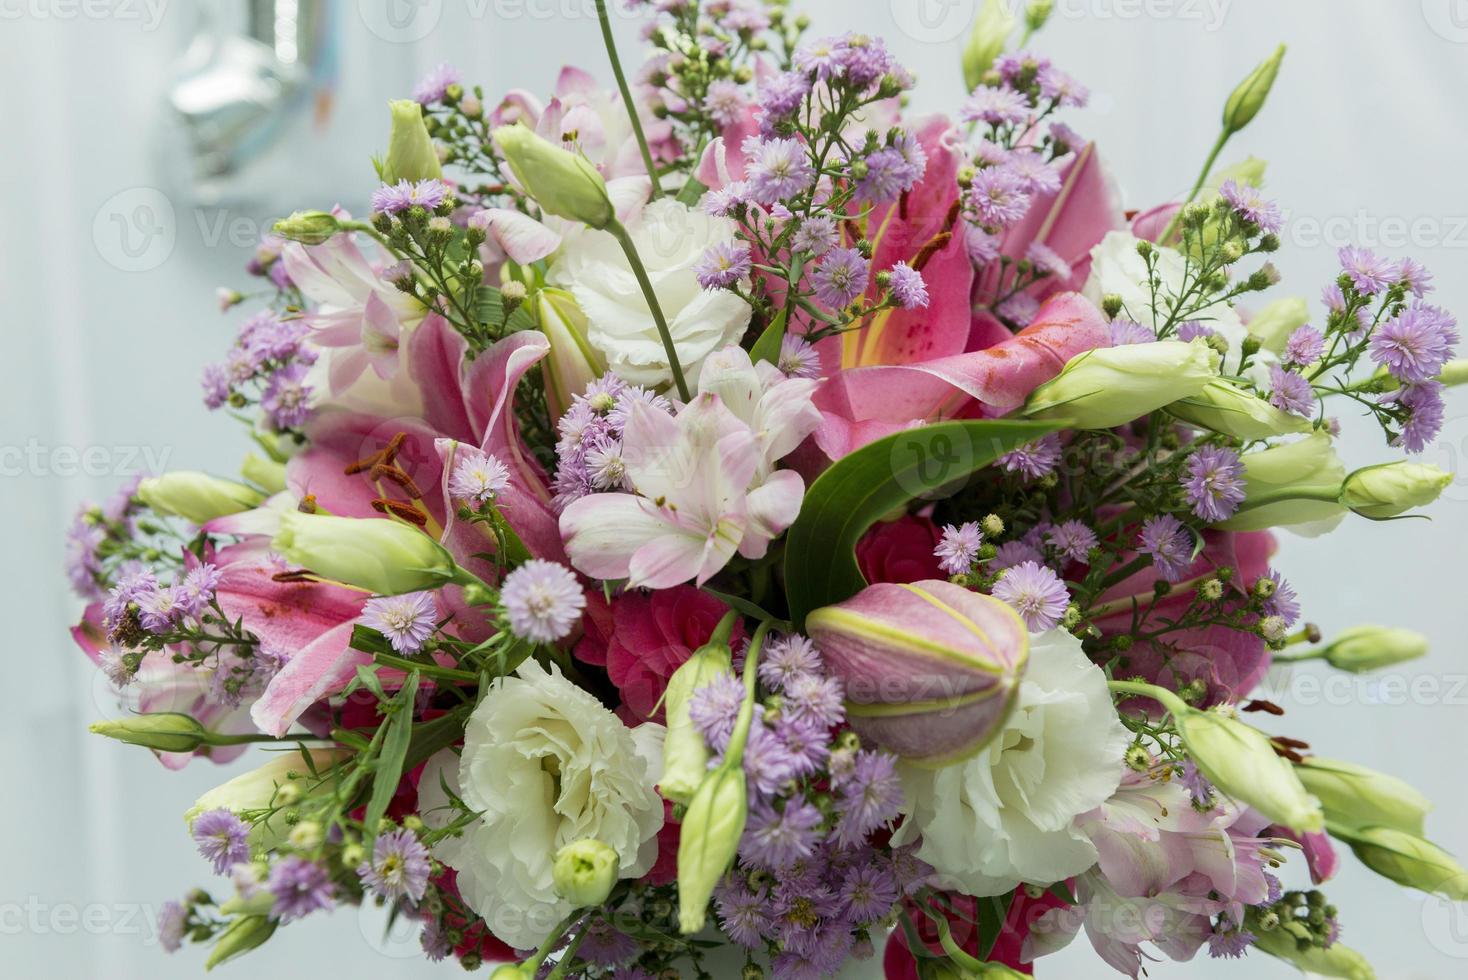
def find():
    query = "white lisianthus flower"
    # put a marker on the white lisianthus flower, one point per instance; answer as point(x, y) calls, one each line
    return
point(545, 764)
point(671, 238)
point(1007, 816)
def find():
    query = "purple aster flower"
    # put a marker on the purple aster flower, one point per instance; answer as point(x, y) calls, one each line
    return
point(959, 548)
point(543, 600)
point(741, 912)
point(173, 923)
point(864, 60)
point(799, 911)
point(727, 200)
point(1416, 345)
point(774, 839)
point(714, 708)
point(817, 235)
point(435, 85)
point(1064, 138)
point(161, 609)
point(725, 102)
point(216, 383)
point(1127, 332)
point(399, 868)
point(781, 97)
point(912, 871)
point(1304, 346)
point(724, 265)
point(1012, 553)
point(426, 194)
point(1215, 483)
point(1036, 176)
point(1073, 541)
point(1019, 309)
point(798, 359)
point(767, 763)
point(1034, 461)
point(83, 539)
point(815, 699)
point(868, 892)
point(300, 887)
point(1062, 89)
point(287, 399)
point(222, 838)
point(908, 287)
point(1333, 298)
point(1169, 544)
point(478, 476)
point(1426, 414)
point(1036, 593)
point(998, 197)
point(995, 105)
point(1291, 393)
point(239, 676)
point(406, 620)
point(605, 945)
point(606, 467)
point(435, 941)
point(777, 169)
point(886, 175)
point(820, 57)
point(1248, 203)
point(1197, 785)
point(1230, 945)
point(787, 658)
point(1367, 270)
point(1047, 261)
point(1415, 277)
point(196, 591)
point(841, 278)
point(871, 796)
point(982, 247)
point(1285, 602)
point(1192, 330)
point(807, 744)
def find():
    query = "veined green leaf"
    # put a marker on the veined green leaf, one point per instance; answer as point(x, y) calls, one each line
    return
point(390, 759)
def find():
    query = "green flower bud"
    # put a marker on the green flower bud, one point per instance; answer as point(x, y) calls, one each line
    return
point(1273, 325)
point(1239, 760)
point(1107, 387)
point(1223, 406)
point(1455, 373)
point(573, 363)
point(585, 871)
point(264, 787)
point(164, 731)
point(308, 227)
point(239, 937)
point(1296, 483)
point(1366, 648)
point(1248, 171)
point(708, 842)
point(986, 42)
point(1338, 961)
point(262, 472)
point(1038, 13)
point(563, 183)
point(380, 556)
point(410, 152)
point(1392, 489)
point(685, 754)
point(1409, 860)
point(511, 971)
point(1356, 797)
point(1246, 101)
point(197, 497)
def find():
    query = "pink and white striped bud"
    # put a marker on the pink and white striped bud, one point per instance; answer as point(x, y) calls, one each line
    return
point(931, 669)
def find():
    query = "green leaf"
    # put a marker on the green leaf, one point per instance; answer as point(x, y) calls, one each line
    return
point(394, 752)
point(860, 489)
point(767, 347)
point(691, 192)
point(992, 913)
point(491, 306)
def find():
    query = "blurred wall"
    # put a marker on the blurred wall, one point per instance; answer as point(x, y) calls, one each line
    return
point(107, 272)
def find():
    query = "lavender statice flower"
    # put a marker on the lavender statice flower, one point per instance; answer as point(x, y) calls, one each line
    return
point(724, 265)
point(1169, 545)
point(998, 197)
point(1291, 392)
point(1305, 346)
point(959, 548)
point(478, 476)
point(1426, 414)
point(299, 887)
point(871, 796)
point(1215, 483)
point(741, 911)
point(435, 85)
point(714, 707)
point(542, 600)
point(396, 198)
point(816, 235)
point(1368, 271)
point(787, 658)
point(1072, 541)
point(995, 105)
point(776, 838)
point(173, 923)
point(1035, 460)
point(798, 358)
point(406, 620)
point(1036, 593)
point(777, 169)
point(908, 287)
point(1416, 345)
point(287, 398)
point(222, 838)
point(841, 277)
point(399, 868)
point(1252, 206)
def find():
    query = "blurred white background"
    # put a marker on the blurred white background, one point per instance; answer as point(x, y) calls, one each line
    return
point(107, 269)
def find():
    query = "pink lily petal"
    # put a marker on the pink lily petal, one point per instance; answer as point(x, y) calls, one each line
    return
point(321, 668)
point(520, 236)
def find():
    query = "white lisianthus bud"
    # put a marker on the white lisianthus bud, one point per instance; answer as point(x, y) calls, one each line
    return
point(1337, 961)
point(1366, 648)
point(1293, 484)
point(685, 754)
point(1273, 325)
point(1454, 373)
point(585, 871)
point(563, 183)
point(381, 556)
point(410, 152)
point(262, 472)
point(1223, 406)
point(1356, 797)
point(986, 42)
point(197, 497)
point(1107, 387)
point(239, 937)
point(1409, 860)
point(1246, 101)
point(308, 227)
point(708, 842)
point(162, 731)
point(1239, 760)
point(1392, 489)
point(265, 787)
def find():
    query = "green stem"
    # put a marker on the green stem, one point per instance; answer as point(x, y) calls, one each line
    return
point(217, 739)
point(619, 231)
point(734, 754)
point(1161, 695)
point(631, 107)
point(1223, 139)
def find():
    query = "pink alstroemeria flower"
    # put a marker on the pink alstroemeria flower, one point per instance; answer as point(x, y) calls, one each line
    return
point(704, 480)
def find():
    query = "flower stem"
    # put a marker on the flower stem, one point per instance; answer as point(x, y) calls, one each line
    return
point(1223, 138)
point(620, 233)
point(628, 104)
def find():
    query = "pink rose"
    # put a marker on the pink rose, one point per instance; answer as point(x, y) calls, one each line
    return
point(642, 637)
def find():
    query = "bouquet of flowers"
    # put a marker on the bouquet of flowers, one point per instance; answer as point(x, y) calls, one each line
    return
point(726, 519)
